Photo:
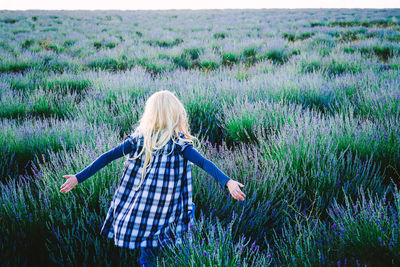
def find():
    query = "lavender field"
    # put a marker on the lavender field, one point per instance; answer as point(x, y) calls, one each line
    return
point(301, 106)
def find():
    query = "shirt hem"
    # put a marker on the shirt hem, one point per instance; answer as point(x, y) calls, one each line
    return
point(137, 244)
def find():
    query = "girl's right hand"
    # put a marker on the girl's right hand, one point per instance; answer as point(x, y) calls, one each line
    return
point(234, 189)
point(69, 184)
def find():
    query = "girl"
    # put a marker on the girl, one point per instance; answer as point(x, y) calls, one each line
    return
point(153, 202)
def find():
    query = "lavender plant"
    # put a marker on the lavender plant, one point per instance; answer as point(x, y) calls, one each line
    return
point(301, 106)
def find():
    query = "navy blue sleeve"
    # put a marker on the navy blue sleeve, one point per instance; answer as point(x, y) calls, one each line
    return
point(115, 153)
point(194, 156)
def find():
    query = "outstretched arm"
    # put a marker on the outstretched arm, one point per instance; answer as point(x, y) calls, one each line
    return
point(115, 153)
point(194, 156)
point(122, 149)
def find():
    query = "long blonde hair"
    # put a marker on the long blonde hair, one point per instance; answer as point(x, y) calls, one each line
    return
point(164, 117)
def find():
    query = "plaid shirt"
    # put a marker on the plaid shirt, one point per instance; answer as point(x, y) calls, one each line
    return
point(163, 204)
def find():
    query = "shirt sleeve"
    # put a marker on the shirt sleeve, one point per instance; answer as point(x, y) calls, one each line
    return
point(182, 144)
point(122, 149)
point(194, 156)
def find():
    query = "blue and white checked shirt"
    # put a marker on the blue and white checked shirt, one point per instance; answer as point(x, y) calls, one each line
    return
point(139, 218)
point(163, 204)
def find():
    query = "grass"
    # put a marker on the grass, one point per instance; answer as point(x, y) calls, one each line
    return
point(43, 135)
point(302, 110)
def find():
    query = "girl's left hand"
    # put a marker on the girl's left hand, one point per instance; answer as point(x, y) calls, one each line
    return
point(69, 184)
point(234, 189)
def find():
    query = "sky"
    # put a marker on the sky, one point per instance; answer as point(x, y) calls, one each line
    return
point(187, 4)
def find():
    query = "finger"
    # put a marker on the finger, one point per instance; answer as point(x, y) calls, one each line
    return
point(241, 184)
point(66, 176)
point(242, 194)
point(65, 188)
point(239, 192)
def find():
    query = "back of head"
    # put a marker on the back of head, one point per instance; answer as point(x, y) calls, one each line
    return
point(164, 118)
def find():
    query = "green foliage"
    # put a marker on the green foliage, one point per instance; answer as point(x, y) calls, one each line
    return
point(289, 36)
point(16, 66)
point(49, 30)
point(292, 37)
point(393, 38)
point(54, 134)
point(316, 24)
point(322, 41)
point(182, 61)
point(277, 56)
point(337, 67)
point(330, 66)
point(193, 53)
point(105, 63)
point(27, 43)
point(249, 55)
point(155, 69)
point(164, 43)
point(371, 220)
point(209, 65)
point(217, 248)
point(383, 52)
point(311, 65)
point(97, 44)
point(243, 119)
point(305, 241)
point(111, 45)
point(69, 43)
point(229, 59)
point(350, 35)
point(372, 23)
point(304, 134)
point(347, 49)
point(67, 85)
point(295, 52)
point(55, 48)
point(10, 21)
point(202, 112)
point(219, 35)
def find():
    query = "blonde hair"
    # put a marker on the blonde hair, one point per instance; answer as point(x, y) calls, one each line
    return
point(164, 117)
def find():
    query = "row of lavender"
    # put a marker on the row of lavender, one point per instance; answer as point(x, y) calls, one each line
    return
point(314, 137)
point(162, 41)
